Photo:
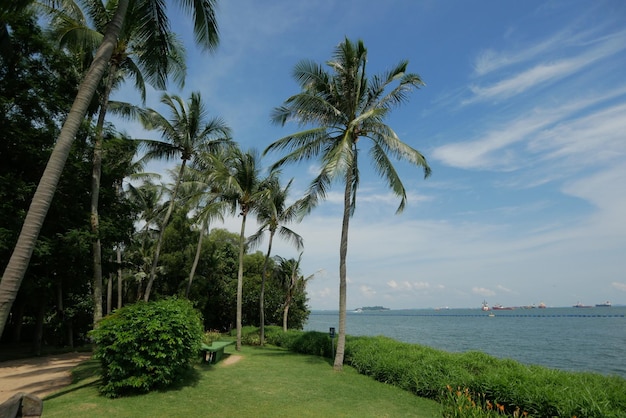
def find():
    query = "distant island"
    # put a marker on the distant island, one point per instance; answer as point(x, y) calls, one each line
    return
point(371, 308)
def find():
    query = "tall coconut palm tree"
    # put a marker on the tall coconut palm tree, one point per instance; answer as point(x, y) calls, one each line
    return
point(339, 108)
point(239, 175)
point(273, 215)
point(206, 35)
point(82, 31)
point(187, 133)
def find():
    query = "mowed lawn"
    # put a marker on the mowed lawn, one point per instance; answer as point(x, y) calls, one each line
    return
point(262, 382)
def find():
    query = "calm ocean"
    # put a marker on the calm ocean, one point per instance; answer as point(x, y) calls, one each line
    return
point(578, 339)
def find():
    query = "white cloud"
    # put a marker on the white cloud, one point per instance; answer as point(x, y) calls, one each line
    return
point(525, 80)
point(490, 60)
point(367, 291)
point(548, 71)
point(619, 286)
point(553, 132)
point(406, 285)
point(483, 291)
point(504, 289)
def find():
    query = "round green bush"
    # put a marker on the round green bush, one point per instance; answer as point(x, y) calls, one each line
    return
point(147, 345)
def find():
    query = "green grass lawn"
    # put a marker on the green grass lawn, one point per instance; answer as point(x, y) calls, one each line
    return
point(265, 382)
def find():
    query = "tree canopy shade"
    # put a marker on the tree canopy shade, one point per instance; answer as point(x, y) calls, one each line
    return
point(338, 108)
point(154, 16)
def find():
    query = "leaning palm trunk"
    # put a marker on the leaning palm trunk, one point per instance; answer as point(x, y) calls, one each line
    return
point(196, 259)
point(20, 258)
point(96, 175)
point(343, 252)
point(157, 251)
point(286, 307)
point(262, 296)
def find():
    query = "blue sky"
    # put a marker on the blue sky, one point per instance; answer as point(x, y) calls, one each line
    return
point(522, 120)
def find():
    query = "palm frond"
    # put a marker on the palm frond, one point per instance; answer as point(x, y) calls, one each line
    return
point(385, 169)
point(291, 237)
point(304, 144)
point(205, 27)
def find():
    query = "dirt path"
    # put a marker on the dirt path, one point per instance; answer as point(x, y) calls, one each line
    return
point(39, 376)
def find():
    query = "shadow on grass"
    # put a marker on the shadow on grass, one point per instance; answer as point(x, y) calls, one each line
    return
point(87, 374)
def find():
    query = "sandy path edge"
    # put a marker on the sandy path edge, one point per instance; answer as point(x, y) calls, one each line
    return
point(39, 376)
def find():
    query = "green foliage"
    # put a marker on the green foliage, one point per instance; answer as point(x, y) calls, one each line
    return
point(147, 345)
point(486, 386)
point(210, 336)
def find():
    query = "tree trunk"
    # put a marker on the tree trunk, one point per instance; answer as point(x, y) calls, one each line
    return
point(242, 237)
point(18, 316)
point(119, 276)
point(196, 258)
point(157, 251)
point(110, 293)
point(285, 316)
point(343, 252)
point(96, 174)
point(20, 258)
point(262, 296)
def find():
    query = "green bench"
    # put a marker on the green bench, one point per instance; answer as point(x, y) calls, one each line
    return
point(214, 352)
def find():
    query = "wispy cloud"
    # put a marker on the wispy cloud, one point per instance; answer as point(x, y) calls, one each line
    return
point(491, 60)
point(544, 72)
point(619, 286)
point(483, 291)
point(544, 129)
point(406, 285)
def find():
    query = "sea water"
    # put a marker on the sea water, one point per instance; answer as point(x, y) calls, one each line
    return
point(575, 339)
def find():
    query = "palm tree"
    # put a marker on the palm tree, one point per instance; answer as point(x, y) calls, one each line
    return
point(339, 108)
point(292, 280)
point(272, 216)
point(132, 57)
point(185, 135)
point(239, 176)
point(202, 194)
point(147, 198)
point(156, 24)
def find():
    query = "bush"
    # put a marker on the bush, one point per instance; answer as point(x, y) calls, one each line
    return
point(147, 345)
point(210, 336)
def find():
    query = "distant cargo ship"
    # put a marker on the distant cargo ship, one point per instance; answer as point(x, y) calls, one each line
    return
point(498, 307)
point(580, 305)
point(606, 304)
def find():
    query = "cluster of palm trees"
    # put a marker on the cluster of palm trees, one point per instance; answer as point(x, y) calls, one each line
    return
point(339, 109)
